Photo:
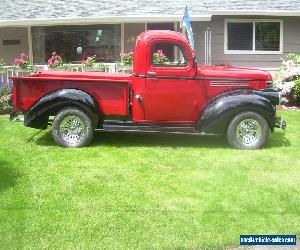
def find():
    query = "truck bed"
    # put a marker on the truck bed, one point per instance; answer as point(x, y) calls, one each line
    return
point(111, 91)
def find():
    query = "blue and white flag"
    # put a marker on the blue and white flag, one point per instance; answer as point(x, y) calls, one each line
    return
point(186, 22)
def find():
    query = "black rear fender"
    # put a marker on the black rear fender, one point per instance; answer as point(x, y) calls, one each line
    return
point(38, 115)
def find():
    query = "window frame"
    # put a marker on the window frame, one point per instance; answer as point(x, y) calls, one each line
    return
point(178, 46)
point(253, 51)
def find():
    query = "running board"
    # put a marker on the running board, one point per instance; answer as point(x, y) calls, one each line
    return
point(113, 126)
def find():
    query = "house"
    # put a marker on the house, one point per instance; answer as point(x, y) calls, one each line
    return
point(251, 33)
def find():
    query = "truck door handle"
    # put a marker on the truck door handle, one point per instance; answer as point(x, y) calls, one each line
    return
point(152, 73)
point(139, 98)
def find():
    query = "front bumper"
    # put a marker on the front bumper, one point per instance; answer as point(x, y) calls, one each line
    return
point(280, 123)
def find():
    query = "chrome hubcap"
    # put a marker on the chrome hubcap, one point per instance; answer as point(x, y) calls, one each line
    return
point(72, 129)
point(248, 132)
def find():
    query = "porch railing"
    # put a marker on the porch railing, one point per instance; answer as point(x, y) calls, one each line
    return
point(10, 71)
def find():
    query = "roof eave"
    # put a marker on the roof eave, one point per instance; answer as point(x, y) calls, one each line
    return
point(97, 20)
point(254, 13)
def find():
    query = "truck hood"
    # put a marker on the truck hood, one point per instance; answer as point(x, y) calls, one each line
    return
point(225, 72)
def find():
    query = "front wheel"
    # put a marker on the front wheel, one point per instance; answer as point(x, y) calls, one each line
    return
point(248, 130)
point(72, 128)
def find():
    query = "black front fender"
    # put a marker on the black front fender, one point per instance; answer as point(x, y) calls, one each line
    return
point(38, 115)
point(220, 110)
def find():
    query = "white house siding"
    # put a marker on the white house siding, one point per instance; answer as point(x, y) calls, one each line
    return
point(10, 52)
point(291, 35)
point(291, 44)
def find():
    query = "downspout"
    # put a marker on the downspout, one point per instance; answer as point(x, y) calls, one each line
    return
point(207, 46)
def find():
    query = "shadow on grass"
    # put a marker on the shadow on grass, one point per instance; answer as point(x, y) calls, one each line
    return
point(120, 139)
point(278, 139)
point(8, 176)
point(31, 138)
point(125, 139)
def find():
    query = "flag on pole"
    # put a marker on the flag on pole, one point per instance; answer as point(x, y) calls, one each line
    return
point(186, 22)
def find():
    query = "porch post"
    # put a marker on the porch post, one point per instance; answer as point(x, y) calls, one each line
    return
point(30, 52)
point(122, 37)
point(175, 48)
point(175, 26)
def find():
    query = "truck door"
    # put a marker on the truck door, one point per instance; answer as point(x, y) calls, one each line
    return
point(169, 88)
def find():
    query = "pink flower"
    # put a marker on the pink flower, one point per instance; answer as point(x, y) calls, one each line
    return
point(8, 97)
point(22, 55)
point(160, 52)
point(55, 60)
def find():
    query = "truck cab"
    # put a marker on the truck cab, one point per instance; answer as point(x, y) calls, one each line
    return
point(159, 85)
point(167, 92)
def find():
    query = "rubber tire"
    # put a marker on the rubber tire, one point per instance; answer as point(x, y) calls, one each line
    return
point(231, 131)
point(89, 129)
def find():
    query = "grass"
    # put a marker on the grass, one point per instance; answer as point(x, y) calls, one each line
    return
point(145, 191)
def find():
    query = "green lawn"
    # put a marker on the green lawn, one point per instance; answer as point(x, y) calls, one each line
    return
point(145, 191)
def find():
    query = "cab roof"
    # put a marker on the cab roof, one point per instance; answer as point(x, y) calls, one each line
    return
point(163, 34)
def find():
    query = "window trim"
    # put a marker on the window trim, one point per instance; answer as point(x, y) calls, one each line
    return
point(253, 51)
point(178, 46)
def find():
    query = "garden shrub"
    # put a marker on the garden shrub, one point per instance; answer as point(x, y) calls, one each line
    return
point(5, 98)
point(296, 89)
point(287, 79)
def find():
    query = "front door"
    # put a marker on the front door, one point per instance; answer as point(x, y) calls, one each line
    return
point(169, 95)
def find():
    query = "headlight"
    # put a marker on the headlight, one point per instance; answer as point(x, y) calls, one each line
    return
point(269, 84)
point(279, 97)
point(272, 95)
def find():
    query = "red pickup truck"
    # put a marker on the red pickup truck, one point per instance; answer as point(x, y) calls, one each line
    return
point(170, 94)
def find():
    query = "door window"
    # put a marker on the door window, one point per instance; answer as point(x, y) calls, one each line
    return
point(168, 55)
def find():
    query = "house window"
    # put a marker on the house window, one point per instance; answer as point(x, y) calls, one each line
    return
point(75, 43)
point(267, 36)
point(253, 37)
point(240, 36)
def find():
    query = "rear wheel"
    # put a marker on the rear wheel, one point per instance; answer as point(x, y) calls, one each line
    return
point(72, 128)
point(248, 130)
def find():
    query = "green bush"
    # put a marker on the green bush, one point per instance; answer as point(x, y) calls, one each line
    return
point(296, 89)
point(5, 98)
